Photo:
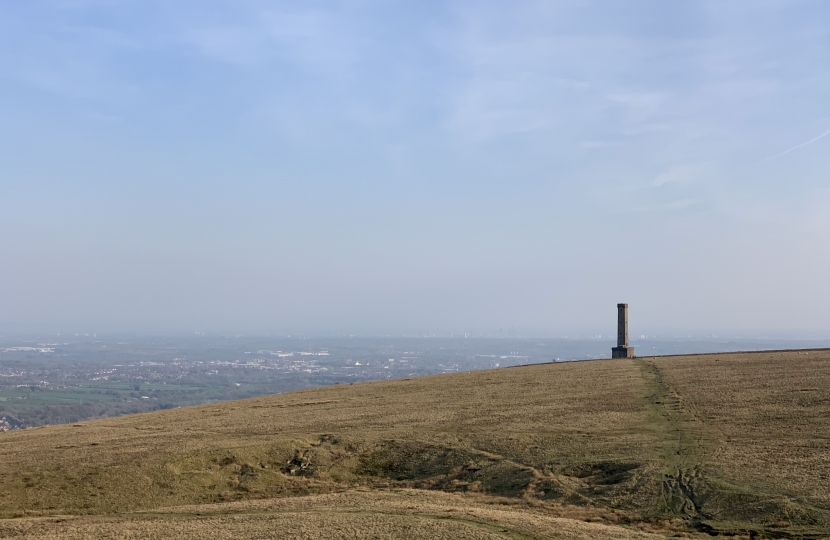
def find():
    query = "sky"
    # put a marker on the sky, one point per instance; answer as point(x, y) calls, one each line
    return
point(407, 168)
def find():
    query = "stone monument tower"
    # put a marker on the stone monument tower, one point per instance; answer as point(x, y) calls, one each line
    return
point(622, 350)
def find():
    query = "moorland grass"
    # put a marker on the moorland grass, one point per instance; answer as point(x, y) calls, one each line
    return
point(731, 443)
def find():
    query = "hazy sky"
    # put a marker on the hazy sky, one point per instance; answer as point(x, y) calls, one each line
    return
point(382, 167)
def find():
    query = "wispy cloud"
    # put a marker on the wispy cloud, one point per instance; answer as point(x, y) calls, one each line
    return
point(679, 175)
point(599, 144)
point(796, 147)
point(312, 39)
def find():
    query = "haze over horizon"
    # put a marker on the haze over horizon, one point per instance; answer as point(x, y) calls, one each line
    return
point(430, 167)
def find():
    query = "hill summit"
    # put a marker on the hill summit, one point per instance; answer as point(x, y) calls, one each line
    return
point(711, 444)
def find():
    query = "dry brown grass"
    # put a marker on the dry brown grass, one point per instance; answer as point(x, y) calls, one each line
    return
point(737, 442)
point(762, 423)
point(516, 425)
point(358, 515)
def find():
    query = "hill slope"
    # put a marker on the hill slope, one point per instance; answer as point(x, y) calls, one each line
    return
point(733, 442)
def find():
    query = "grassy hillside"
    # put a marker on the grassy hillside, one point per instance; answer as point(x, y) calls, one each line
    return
point(733, 443)
point(402, 514)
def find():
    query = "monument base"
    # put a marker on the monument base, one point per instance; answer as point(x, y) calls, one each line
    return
point(622, 352)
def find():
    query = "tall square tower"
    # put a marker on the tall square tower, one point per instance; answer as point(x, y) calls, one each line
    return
point(622, 350)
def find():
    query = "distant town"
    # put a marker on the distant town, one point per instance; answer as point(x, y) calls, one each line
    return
point(86, 376)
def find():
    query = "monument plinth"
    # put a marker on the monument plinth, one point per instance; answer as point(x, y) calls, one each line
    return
point(622, 350)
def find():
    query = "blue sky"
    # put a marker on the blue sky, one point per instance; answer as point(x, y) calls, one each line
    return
point(408, 167)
